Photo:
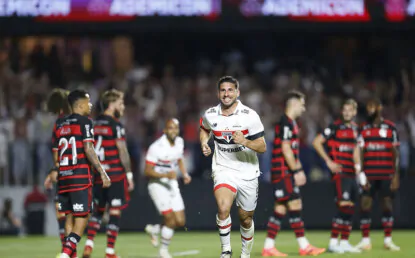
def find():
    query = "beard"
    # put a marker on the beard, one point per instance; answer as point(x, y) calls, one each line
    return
point(228, 105)
point(371, 117)
point(117, 114)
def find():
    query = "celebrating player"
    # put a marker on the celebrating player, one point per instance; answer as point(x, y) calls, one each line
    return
point(238, 135)
point(164, 158)
point(344, 162)
point(57, 103)
point(75, 136)
point(287, 176)
point(381, 164)
point(111, 150)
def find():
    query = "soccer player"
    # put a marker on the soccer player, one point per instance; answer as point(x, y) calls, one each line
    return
point(75, 136)
point(164, 158)
point(111, 149)
point(343, 160)
point(287, 176)
point(381, 164)
point(57, 103)
point(238, 134)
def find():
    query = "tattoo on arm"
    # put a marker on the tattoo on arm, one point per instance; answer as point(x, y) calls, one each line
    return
point(92, 157)
point(124, 155)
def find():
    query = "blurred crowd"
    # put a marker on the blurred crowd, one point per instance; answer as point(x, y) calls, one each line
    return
point(165, 77)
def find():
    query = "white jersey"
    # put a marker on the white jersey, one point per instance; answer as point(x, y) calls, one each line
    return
point(165, 157)
point(235, 158)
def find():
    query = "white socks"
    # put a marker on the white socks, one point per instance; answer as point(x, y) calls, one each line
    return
point(387, 240)
point(224, 227)
point(247, 236)
point(303, 242)
point(366, 240)
point(166, 236)
point(109, 251)
point(90, 243)
point(269, 243)
point(333, 242)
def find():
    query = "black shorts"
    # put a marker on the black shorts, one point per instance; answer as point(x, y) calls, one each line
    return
point(79, 203)
point(346, 189)
point(286, 190)
point(116, 196)
point(381, 187)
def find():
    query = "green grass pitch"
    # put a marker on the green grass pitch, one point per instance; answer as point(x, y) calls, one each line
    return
point(200, 244)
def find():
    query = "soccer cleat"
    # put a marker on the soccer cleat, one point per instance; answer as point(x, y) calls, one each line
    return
point(272, 252)
point(87, 252)
point(164, 253)
point(335, 249)
point(245, 256)
point(153, 237)
point(112, 256)
point(311, 250)
point(227, 254)
point(348, 248)
point(364, 245)
point(392, 247)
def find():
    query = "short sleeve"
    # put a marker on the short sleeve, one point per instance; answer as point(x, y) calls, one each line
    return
point(395, 137)
point(328, 132)
point(119, 132)
point(255, 128)
point(285, 132)
point(204, 124)
point(151, 157)
point(87, 130)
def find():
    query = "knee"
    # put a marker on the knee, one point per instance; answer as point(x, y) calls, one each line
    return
point(246, 222)
point(280, 209)
point(366, 203)
point(170, 220)
point(224, 210)
point(295, 205)
point(180, 222)
point(343, 204)
point(115, 212)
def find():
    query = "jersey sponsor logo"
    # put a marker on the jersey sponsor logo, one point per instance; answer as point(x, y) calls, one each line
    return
point(375, 146)
point(279, 193)
point(66, 173)
point(345, 148)
point(231, 150)
point(210, 111)
point(116, 202)
point(78, 207)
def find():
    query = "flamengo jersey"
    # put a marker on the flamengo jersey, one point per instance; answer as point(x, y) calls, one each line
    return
point(228, 156)
point(377, 142)
point(164, 156)
point(58, 121)
point(285, 130)
point(107, 131)
point(341, 143)
point(74, 171)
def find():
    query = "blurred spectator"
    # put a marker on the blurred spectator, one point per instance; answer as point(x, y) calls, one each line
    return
point(35, 204)
point(9, 224)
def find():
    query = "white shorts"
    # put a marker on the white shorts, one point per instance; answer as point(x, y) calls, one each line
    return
point(166, 198)
point(246, 191)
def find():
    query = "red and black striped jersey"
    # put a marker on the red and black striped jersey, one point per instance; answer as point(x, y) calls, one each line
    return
point(285, 131)
point(58, 121)
point(377, 142)
point(108, 131)
point(74, 168)
point(341, 143)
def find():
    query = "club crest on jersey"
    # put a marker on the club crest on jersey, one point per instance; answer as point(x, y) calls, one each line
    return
point(227, 136)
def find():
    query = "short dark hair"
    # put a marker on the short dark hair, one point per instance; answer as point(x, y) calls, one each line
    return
point(376, 100)
point(294, 94)
point(76, 95)
point(110, 96)
point(228, 79)
point(57, 101)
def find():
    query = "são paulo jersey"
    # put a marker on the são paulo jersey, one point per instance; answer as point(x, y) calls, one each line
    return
point(229, 156)
point(164, 156)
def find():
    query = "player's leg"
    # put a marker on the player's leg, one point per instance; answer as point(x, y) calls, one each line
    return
point(64, 206)
point(225, 193)
point(295, 207)
point(366, 202)
point(246, 200)
point(81, 202)
point(387, 197)
point(346, 197)
point(274, 223)
point(95, 221)
point(61, 218)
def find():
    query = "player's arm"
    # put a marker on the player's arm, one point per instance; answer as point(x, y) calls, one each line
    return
point(151, 173)
point(255, 140)
point(257, 145)
point(204, 136)
point(288, 154)
point(395, 156)
point(318, 144)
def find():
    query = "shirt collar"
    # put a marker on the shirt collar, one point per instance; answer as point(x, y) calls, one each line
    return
point(237, 109)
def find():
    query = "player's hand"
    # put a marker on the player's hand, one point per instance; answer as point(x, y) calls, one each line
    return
point(130, 184)
point(300, 178)
point(206, 149)
point(395, 183)
point(362, 179)
point(334, 167)
point(239, 138)
point(106, 181)
point(187, 179)
point(51, 178)
point(171, 175)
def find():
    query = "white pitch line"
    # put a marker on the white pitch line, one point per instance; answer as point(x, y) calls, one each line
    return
point(184, 253)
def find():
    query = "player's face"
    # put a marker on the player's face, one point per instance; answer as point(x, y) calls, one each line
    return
point(299, 106)
point(348, 112)
point(172, 130)
point(86, 106)
point(228, 94)
point(373, 110)
point(119, 107)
